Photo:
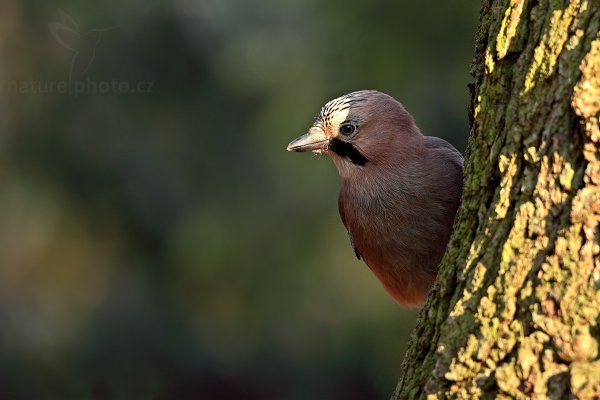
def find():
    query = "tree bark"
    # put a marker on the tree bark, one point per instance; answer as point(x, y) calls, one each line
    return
point(515, 310)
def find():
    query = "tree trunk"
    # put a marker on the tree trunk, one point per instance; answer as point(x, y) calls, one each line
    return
point(515, 310)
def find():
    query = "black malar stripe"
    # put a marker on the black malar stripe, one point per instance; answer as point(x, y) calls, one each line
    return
point(344, 149)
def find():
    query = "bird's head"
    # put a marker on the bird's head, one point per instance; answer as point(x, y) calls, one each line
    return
point(360, 129)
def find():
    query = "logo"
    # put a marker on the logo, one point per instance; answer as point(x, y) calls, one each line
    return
point(83, 45)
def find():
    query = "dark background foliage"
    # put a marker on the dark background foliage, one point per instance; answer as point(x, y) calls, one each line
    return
point(156, 240)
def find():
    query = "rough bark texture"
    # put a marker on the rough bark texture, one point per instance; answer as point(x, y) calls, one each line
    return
point(515, 311)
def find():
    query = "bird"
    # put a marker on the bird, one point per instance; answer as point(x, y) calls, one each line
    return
point(83, 44)
point(400, 190)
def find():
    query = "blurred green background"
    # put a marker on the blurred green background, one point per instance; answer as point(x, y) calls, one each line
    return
point(156, 239)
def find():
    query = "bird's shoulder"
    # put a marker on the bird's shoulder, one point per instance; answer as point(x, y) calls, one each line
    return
point(441, 147)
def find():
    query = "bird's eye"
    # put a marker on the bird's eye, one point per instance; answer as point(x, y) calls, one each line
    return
point(347, 129)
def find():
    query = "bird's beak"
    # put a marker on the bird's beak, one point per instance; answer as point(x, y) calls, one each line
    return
point(309, 142)
point(110, 28)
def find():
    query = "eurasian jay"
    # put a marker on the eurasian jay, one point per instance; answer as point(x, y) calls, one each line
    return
point(400, 190)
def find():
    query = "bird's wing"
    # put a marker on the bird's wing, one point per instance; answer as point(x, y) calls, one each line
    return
point(432, 142)
point(64, 35)
point(343, 216)
point(352, 244)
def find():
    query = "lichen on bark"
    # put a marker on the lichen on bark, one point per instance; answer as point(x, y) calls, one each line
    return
point(515, 310)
